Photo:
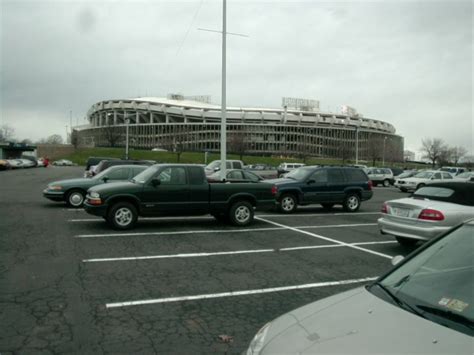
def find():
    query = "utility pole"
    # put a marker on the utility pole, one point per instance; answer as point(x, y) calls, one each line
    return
point(383, 156)
point(127, 121)
point(223, 95)
point(357, 145)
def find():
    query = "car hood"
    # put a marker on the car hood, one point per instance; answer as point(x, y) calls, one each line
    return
point(74, 182)
point(359, 322)
point(119, 186)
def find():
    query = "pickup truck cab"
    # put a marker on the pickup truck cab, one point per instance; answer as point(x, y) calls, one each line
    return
point(326, 186)
point(177, 190)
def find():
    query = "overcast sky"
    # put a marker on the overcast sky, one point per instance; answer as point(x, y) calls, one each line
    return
point(405, 62)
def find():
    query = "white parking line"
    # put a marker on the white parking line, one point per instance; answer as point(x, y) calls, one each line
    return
point(317, 214)
point(238, 293)
point(237, 252)
point(325, 238)
point(219, 231)
point(143, 219)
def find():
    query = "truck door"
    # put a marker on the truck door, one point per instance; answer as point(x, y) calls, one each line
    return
point(198, 191)
point(315, 187)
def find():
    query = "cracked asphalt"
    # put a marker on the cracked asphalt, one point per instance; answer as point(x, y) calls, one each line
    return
point(53, 300)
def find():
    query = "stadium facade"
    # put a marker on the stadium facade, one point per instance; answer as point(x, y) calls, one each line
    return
point(188, 125)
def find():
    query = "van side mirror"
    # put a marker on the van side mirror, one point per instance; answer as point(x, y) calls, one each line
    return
point(155, 181)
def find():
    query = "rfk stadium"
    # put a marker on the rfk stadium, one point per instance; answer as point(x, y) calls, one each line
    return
point(193, 124)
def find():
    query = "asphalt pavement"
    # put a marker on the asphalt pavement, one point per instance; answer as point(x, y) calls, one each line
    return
point(70, 284)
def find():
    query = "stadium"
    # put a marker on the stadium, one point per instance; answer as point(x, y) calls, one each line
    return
point(297, 129)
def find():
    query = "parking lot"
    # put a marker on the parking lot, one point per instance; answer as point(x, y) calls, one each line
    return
point(172, 285)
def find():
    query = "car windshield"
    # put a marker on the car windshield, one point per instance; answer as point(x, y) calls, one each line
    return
point(145, 175)
point(423, 175)
point(438, 283)
point(298, 174)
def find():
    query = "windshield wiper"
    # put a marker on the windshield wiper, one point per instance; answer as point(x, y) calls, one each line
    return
point(447, 314)
point(400, 302)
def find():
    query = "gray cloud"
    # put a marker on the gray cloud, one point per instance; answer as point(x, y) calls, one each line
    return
point(408, 63)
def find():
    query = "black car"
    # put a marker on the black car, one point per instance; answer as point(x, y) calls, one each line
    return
point(326, 186)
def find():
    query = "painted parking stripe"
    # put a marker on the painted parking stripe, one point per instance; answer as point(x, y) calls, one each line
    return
point(317, 214)
point(219, 231)
point(237, 293)
point(222, 253)
point(144, 219)
point(324, 238)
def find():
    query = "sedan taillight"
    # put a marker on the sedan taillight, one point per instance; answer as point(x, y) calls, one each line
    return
point(431, 215)
point(274, 190)
point(384, 208)
point(371, 184)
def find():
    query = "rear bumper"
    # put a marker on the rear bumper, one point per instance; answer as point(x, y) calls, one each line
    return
point(420, 231)
point(366, 195)
point(54, 195)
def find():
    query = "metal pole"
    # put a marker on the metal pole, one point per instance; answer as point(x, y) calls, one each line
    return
point(67, 133)
point(223, 97)
point(126, 137)
point(383, 157)
point(357, 145)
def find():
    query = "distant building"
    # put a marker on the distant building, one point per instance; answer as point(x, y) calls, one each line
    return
point(194, 125)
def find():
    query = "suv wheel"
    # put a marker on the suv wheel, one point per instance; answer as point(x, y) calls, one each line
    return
point(75, 198)
point(288, 203)
point(386, 183)
point(241, 213)
point(122, 215)
point(351, 203)
point(406, 242)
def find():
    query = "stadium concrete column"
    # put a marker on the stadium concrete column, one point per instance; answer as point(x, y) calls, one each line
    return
point(115, 117)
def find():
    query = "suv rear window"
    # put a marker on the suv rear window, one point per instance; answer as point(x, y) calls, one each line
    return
point(355, 175)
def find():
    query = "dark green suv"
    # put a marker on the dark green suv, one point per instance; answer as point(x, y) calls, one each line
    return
point(326, 186)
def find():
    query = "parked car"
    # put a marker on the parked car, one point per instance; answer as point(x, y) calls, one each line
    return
point(396, 171)
point(453, 170)
point(430, 211)
point(31, 159)
point(94, 161)
point(406, 174)
point(27, 163)
point(179, 190)
point(4, 164)
point(422, 178)
point(466, 176)
point(421, 306)
point(285, 168)
point(263, 170)
point(215, 166)
point(63, 162)
point(326, 186)
point(105, 164)
point(15, 163)
point(236, 175)
point(73, 191)
point(382, 176)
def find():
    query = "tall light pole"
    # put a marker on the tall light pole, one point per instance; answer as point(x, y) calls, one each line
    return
point(383, 156)
point(357, 145)
point(223, 95)
point(127, 121)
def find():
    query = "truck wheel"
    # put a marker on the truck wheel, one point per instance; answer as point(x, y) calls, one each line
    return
point(351, 203)
point(386, 183)
point(288, 203)
point(122, 215)
point(75, 198)
point(241, 213)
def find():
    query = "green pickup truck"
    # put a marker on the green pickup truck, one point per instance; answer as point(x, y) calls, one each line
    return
point(177, 190)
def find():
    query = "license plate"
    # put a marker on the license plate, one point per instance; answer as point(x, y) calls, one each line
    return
point(400, 212)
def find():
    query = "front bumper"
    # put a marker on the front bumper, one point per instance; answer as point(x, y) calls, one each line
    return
point(421, 230)
point(95, 210)
point(53, 195)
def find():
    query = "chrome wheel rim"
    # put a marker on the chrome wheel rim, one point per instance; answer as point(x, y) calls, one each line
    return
point(242, 214)
point(123, 216)
point(288, 204)
point(76, 199)
point(386, 183)
point(352, 202)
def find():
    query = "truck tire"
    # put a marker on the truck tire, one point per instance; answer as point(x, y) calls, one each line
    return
point(75, 198)
point(351, 202)
point(241, 213)
point(122, 216)
point(386, 183)
point(288, 203)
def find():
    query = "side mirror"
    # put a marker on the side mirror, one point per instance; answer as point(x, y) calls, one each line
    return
point(155, 181)
point(396, 259)
point(309, 182)
point(105, 179)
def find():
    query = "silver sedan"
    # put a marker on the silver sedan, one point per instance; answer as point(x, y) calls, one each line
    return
point(430, 211)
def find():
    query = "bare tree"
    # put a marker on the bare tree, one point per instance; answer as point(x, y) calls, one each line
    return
point(7, 133)
point(457, 153)
point(27, 141)
point(344, 151)
point(238, 143)
point(74, 138)
point(54, 139)
point(112, 135)
point(374, 148)
point(433, 149)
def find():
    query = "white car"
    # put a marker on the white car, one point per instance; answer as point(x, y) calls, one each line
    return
point(26, 163)
point(63, 162)
point(421, 179)
point(467, 176)
point(15, 163)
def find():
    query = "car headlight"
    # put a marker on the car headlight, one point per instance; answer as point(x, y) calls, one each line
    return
point(256, 345)
point(94, 194)
point(55, 187)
